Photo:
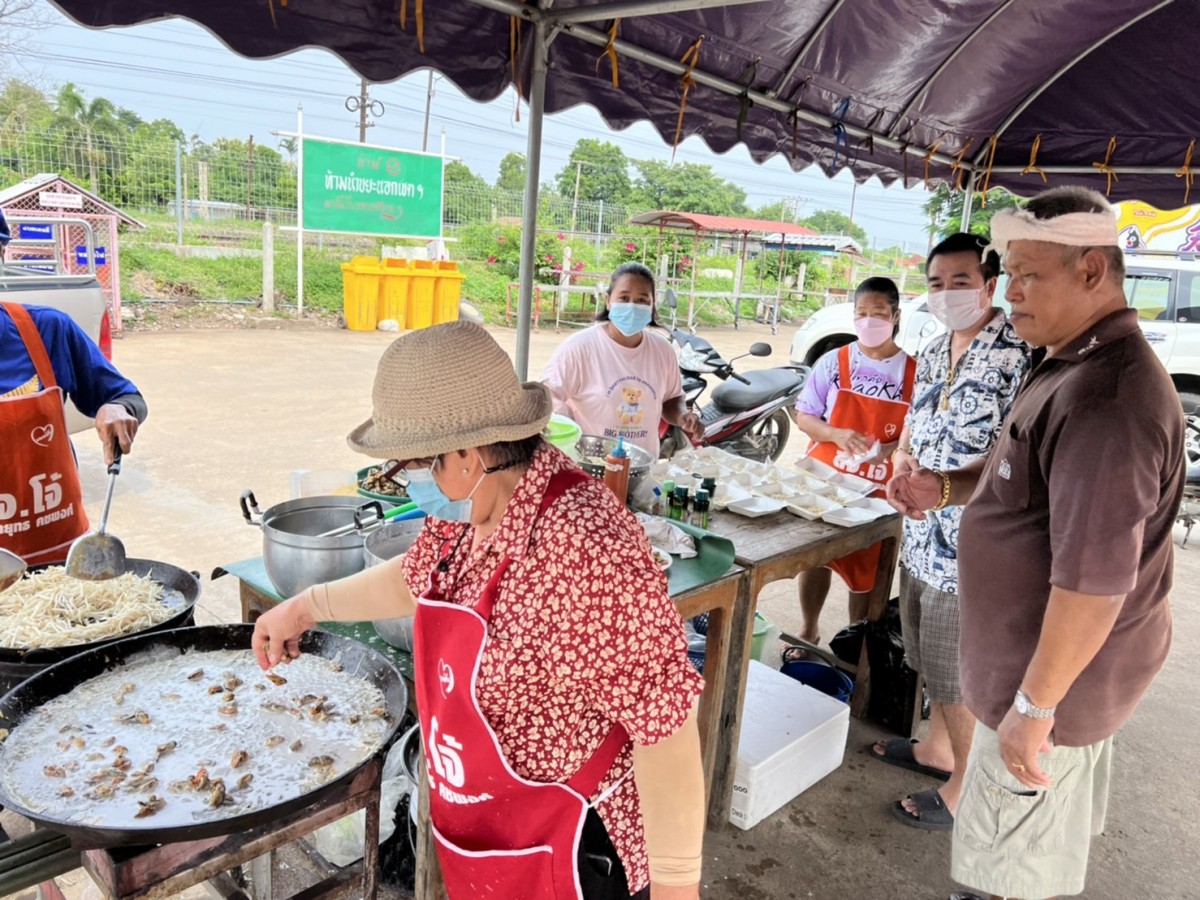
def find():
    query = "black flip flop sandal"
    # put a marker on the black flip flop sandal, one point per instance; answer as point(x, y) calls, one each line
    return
point(899, 752)
point(931, 814)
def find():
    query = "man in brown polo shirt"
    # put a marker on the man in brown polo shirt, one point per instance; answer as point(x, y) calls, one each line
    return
point(1065, 554)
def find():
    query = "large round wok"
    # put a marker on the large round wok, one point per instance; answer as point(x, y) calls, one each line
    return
point(356, 658)
point(170, 577)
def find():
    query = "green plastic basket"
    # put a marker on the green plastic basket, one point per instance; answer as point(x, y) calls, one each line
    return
point(363, 492)
point(563, 433)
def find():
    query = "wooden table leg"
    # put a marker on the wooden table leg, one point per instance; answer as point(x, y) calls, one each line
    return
point(741, 633)
point(427, 883)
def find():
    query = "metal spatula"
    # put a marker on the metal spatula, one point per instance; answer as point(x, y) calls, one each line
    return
point(12, 567)
point(98, 556)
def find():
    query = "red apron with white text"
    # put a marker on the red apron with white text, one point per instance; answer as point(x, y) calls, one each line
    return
point(877, 418)
point(499, 836)
point(41, 501)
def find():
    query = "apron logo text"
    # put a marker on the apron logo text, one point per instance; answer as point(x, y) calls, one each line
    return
point(43, 435)
point(445, 677)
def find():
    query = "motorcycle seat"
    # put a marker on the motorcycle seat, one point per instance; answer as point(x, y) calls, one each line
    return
point(765, 385)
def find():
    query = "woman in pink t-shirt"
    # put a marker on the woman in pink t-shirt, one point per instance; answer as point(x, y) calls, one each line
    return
point(617, 380)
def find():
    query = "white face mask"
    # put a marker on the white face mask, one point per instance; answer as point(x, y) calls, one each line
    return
point(958, 310)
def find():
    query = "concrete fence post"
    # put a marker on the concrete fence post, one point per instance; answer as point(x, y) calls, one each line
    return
point(268, 267)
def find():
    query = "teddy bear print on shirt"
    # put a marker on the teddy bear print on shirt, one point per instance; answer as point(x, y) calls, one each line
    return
point(630, 412)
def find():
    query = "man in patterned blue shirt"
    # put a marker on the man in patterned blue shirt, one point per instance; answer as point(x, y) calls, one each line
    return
point(966, 381)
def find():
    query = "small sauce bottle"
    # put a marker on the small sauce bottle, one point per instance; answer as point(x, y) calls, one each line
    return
point(616, 471)
point(700, 509)
point(668, 490)
point(709, 484)
point(679, 503)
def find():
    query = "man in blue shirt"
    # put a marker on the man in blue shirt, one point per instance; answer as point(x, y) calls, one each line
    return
point(44, 358)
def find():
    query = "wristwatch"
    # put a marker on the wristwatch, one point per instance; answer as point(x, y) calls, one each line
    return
point(1029, 710)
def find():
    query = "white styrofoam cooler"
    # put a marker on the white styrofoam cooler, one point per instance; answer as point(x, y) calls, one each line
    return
point(792, 736)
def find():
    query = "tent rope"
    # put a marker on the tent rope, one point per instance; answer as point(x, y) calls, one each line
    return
point(610, 53)
point(987, 175)
point(958, 168)
point(1033, 166)
point(1106, 166)
point(840, 138)
point(932, 149)
point(420, 17)
point(1185, 171)
point(689, 59)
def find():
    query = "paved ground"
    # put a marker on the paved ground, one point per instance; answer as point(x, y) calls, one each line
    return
point(241, 409)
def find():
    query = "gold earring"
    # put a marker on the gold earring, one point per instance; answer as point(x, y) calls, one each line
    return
point(466, 471)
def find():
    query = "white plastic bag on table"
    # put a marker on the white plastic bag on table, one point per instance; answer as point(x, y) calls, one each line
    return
point(342, 842)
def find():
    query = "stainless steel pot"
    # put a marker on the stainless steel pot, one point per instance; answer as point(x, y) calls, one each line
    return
point(592, 449)
point(387, 543)
point(295, 555)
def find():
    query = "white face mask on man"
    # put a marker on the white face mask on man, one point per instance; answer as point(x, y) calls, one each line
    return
point(958, 310)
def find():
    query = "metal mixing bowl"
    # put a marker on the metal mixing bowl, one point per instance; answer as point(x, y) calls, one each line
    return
point(387, 543)
point(592, 450)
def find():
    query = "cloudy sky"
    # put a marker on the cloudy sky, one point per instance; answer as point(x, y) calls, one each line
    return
point(177, 70)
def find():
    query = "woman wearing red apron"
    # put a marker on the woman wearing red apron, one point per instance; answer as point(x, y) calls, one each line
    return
point(853, 409)
point(554, 695)
point(44, 355)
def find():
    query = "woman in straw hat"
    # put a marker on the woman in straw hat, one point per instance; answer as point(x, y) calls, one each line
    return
point(556, 702)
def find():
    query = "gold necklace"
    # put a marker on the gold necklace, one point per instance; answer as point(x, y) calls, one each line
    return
point(951, 375)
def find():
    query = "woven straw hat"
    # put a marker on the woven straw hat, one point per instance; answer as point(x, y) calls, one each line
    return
point(444, 388)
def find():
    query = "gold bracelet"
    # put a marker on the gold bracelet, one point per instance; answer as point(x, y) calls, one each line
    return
point(944, 502)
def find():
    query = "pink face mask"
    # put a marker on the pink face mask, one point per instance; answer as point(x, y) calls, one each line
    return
point(874, 331)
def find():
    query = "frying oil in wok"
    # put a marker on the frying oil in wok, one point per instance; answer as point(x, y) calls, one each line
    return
point(186, 730)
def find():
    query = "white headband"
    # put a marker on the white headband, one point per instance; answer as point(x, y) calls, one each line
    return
point(1078, 229)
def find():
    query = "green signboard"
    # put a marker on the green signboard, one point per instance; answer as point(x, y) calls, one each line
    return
point(362, 189)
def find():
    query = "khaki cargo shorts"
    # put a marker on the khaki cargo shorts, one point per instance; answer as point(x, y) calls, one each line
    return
point(1014, 842)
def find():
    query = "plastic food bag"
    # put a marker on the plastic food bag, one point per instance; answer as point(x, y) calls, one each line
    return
point(341, 842)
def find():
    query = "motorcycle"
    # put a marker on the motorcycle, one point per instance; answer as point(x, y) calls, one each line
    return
point(747, 414)
point(1189, 507)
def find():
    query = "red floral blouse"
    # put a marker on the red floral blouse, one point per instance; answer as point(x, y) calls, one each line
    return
point(582, 635)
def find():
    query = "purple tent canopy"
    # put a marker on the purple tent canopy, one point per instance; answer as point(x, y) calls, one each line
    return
point(972, 91)
point(870, 84)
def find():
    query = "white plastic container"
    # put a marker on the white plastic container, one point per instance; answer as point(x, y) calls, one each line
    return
point(792, 736)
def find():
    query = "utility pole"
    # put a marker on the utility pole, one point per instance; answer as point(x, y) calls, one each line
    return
point(575, 201)
point(363, 104)
point(428, 103)
point(853, 195)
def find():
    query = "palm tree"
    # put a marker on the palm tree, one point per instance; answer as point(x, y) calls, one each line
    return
point(91, 119)
point(289, 145)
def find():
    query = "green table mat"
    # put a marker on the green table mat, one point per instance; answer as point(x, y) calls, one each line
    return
point(714, 558)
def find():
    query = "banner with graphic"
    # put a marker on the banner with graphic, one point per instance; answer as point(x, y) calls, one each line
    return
point(1144, 228)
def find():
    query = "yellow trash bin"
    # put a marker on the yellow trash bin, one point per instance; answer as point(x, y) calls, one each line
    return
point(393, 295)
point(421, 294)
point(447, 292)
point(360, 293)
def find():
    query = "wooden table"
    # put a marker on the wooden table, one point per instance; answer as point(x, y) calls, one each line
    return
point(781, 546)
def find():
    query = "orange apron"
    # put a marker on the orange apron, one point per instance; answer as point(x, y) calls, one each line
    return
point(876, 418)
point(41, 501)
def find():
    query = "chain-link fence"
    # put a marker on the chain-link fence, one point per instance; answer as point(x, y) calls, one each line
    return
point(211, 199)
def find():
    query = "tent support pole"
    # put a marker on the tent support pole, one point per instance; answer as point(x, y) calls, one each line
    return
point(968, 198)
point(533, 161)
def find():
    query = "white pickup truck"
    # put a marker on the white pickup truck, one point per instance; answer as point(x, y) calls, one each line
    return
point(1164, 290)
point(41, 280)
